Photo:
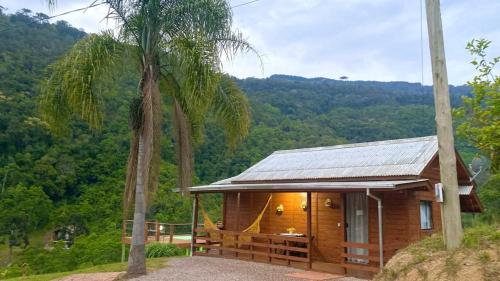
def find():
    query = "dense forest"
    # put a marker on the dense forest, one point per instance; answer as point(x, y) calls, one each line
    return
point(77, 178)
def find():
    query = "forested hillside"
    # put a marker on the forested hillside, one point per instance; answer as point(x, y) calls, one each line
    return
point(77, 178)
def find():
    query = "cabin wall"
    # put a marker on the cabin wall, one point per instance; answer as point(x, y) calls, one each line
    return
point(401, 218)
point(327, 226)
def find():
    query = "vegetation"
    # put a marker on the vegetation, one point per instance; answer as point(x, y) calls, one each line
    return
point(82, 173)
point(481, 111)
point(151, 264)
point(157, 250)
point(476, 259)
point(480, 116)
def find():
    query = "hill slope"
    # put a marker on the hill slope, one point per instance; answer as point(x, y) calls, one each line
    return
point(477, 259)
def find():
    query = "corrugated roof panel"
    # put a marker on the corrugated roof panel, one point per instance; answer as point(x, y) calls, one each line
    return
point(220, 187)
point(371, 159)
point(465, 189)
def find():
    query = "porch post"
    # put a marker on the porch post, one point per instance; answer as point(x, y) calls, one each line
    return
point(195, 224)
point(309, 230)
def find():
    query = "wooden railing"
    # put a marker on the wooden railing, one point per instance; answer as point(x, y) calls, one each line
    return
point(155, 231)
point(372, 258)
point(252, 245)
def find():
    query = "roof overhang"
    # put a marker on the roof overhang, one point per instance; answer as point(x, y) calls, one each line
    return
point(342, 186)
point(469, 201)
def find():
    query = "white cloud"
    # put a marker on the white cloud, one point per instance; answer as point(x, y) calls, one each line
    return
point(365, 40)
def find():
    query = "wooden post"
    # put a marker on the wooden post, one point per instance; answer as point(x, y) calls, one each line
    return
point(171, 233)
point(123, 252)
point(124, 230)
point(270, 250)
point(195, 224)
point(238, 212)
point(224, 209)
point(157, 231)
point(309, 230)
point(451, 217)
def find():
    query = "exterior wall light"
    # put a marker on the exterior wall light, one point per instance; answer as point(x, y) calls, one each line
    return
point(329, 203)
point(303, 205)
point(280, 209)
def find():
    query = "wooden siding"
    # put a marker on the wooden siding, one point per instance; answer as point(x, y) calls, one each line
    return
point(327, 226)
point(401, 219)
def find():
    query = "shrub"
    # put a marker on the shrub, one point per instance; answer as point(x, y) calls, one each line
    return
point(156, 250)
point(97, 249)
point(481, 235)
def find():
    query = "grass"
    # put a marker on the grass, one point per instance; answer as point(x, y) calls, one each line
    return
point(428, 259)
point(151, 264)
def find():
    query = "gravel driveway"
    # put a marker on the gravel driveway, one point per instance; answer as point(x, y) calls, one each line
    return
point(215, 269)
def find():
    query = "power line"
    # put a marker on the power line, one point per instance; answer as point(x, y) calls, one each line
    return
point(422, 44)
point(98, 4)
point(61, 14)
point(243, 4)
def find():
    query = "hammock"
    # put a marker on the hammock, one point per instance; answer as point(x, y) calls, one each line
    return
point(229, 240)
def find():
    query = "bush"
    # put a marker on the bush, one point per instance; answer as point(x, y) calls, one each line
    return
point(481, 235)
point(87, 251)
point(156, 250)
point(97, 249)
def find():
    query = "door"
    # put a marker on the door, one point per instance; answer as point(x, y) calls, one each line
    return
point(356, 216)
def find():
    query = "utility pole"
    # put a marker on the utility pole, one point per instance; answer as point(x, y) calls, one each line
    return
point(451, 217)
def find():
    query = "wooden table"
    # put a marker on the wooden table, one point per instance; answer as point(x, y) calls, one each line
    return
point(294, 244)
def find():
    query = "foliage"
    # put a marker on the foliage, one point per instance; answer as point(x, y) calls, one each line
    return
point(481, 236)
point(87, 251)
point(490, 198)
point(158, 250)
point(481, 111)
point(110, 267)
point(23, 210)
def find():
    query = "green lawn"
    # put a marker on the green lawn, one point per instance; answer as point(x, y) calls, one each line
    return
point(152, 264)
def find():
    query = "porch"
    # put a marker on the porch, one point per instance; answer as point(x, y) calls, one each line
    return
point(322, 237)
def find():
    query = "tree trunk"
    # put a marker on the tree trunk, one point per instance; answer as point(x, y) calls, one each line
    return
point(137, 258)
point(451, 217)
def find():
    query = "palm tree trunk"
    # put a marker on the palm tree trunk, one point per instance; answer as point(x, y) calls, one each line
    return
point(136, 258)
point(147, 167)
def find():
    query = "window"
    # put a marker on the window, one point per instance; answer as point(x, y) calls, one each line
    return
point(425, 214)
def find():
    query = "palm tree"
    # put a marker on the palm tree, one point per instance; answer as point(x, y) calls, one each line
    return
point(178, 45)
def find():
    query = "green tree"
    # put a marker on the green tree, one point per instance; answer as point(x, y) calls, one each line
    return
point(481, 111)
point(22, 209)
point(178, 42)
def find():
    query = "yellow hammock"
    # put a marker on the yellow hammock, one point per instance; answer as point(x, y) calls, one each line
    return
point(229, 240)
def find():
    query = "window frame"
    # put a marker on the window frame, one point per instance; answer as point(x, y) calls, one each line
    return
point(430, 222)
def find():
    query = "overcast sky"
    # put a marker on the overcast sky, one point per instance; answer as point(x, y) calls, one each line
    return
point(361, 39)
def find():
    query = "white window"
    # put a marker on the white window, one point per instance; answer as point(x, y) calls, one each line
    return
point(425, 214)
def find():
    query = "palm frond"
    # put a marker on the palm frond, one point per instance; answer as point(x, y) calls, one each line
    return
point(232, 110)
point(73, 83)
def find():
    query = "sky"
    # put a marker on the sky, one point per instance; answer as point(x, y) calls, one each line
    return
point(361, 39)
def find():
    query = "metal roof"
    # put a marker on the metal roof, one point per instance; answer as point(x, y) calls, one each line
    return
point(465, 189)
point(316, 186)
point(402, 157)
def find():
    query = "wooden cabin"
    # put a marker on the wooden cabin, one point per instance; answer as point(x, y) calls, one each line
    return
point(332, 208)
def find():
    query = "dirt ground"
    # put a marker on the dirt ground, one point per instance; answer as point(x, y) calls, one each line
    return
point(219, 269)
